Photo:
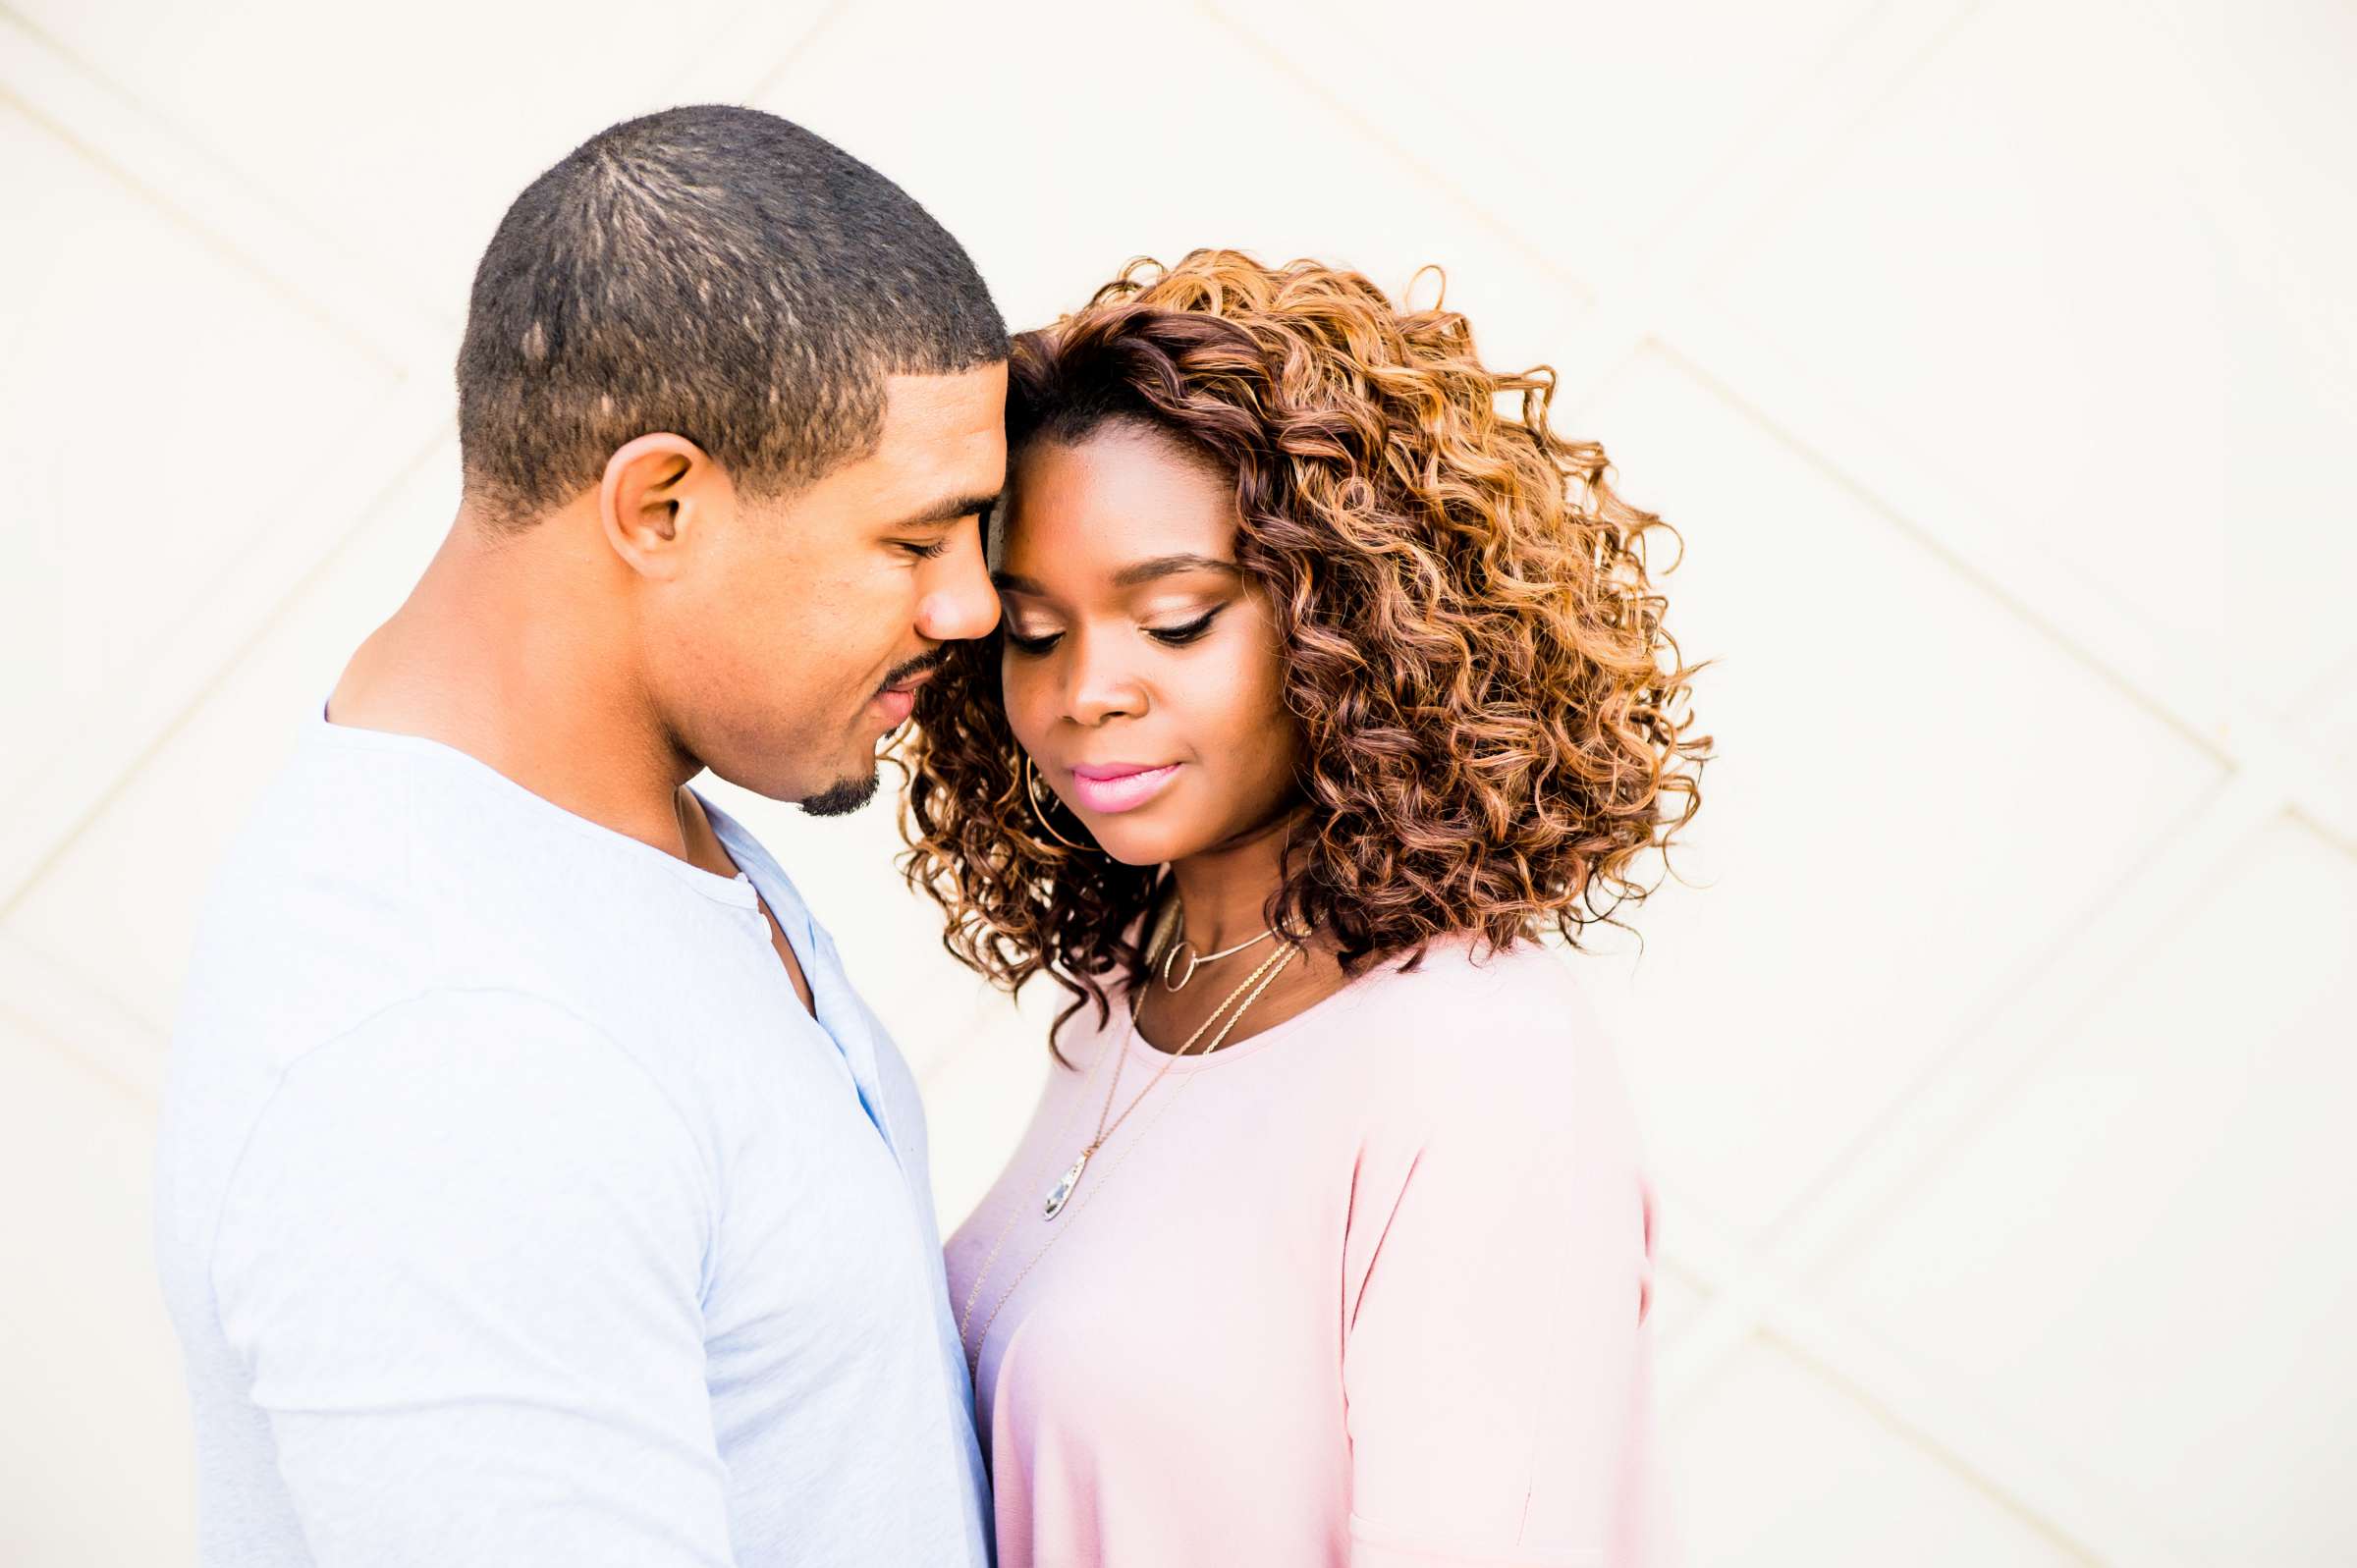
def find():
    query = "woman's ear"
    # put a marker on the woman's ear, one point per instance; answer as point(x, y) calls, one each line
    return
point(657, 495)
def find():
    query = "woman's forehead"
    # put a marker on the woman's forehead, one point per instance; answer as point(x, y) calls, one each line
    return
point(1105, 506)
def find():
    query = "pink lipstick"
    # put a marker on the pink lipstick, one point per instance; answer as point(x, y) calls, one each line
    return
point(1112, 786)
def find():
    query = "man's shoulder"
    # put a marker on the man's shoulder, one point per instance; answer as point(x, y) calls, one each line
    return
point(365, 878)
point(461, 1126)
point(539, 1056)
point(448, 1072)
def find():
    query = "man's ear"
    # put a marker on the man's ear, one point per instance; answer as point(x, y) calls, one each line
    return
point(657, 491)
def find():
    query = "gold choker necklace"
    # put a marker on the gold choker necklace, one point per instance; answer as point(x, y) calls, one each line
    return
point(1195, 960)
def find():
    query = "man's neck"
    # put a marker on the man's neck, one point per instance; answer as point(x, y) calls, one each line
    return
point(512, 650)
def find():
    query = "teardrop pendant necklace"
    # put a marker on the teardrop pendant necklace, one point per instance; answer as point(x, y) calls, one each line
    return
point(1253, 984)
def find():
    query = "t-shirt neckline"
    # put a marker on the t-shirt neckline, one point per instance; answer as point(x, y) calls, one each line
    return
point(738, 890)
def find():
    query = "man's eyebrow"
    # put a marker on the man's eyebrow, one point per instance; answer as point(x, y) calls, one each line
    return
point(949, 510)
point(1170, 565)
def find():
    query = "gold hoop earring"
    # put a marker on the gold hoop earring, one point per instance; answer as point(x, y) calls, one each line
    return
point(1032, 794)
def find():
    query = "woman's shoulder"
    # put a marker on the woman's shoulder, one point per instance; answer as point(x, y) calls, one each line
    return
point(1524, 994)
point(1467, 1021)
point(1492, 1065)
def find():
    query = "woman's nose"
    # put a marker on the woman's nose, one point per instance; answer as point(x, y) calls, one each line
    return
point(1101, 689)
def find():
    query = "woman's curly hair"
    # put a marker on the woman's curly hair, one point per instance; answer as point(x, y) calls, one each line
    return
point(1491, 713)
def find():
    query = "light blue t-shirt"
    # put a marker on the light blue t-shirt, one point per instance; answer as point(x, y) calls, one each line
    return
point(512, 1211)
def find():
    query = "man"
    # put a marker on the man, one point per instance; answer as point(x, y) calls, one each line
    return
point(534, 1189)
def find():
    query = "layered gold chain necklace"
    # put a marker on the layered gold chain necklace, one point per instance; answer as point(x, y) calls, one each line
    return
point(1231, 1010)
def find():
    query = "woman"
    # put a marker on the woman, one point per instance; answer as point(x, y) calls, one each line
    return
point(1323, 684)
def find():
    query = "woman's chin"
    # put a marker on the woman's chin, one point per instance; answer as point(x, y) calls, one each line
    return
point(1138, 843)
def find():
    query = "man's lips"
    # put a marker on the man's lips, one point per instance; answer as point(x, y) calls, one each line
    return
point(897, 698)
point(1106, 787)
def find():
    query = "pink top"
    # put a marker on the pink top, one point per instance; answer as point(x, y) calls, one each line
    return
point(1366, 1288)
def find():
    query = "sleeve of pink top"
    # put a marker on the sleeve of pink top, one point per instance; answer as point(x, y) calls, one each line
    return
point(1497, 1397)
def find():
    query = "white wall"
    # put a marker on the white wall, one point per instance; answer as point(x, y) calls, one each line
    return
point(1998, 362)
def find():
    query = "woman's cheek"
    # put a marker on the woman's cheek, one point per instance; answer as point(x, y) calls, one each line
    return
point(1018, 693)
point(1255, 686)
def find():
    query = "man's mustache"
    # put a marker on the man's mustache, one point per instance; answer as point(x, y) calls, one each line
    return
point(914, 667)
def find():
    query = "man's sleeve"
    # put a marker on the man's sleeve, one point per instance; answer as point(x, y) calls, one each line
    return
point(463, 1258)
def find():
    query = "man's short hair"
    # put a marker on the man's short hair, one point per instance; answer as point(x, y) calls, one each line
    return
point(714, 272)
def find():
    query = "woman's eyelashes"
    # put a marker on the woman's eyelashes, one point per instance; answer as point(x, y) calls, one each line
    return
point(1031, 645)
point(1181, 635)
point(1173, 636)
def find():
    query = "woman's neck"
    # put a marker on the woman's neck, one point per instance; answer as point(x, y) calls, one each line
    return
point(1224, 892)
point(1223, 898)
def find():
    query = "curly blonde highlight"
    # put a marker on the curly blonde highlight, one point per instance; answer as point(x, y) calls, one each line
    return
point(1494, 725)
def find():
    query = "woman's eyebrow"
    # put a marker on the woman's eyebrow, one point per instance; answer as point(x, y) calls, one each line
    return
point(1129, 576)
point(1169, 565)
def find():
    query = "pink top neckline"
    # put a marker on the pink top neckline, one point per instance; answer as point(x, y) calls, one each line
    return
point(1310, 1017)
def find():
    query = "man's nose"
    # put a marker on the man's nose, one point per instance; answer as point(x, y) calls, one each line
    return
point(960, 603)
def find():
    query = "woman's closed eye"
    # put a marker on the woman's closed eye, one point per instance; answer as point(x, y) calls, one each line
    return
point(1178, 635)
point(1034, 644)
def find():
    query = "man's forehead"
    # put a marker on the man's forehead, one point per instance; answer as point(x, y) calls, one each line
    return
point(957, 402)
point(942, 448)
